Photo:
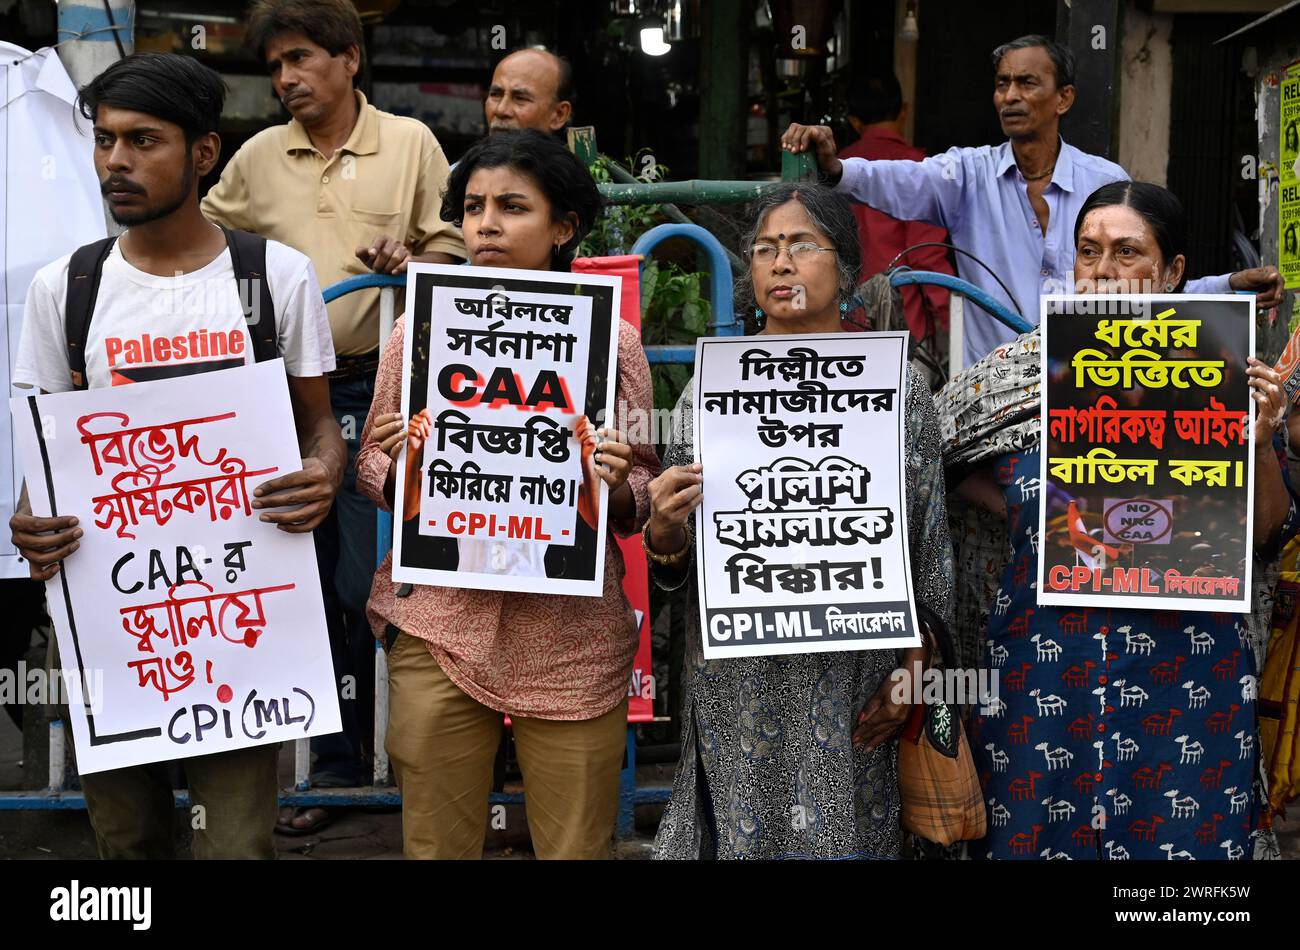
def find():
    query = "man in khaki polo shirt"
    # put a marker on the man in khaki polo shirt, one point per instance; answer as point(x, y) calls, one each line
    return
point(338, 204)
point(356, 190)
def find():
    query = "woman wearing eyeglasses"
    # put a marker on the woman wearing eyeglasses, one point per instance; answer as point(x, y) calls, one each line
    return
point(793, 756)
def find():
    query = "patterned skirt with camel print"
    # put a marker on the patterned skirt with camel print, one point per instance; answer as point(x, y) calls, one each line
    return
point(1115, 733)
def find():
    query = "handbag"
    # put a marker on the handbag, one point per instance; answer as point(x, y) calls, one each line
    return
point(939, 788)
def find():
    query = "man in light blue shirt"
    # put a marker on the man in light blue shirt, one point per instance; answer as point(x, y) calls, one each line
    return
point(1013, 206)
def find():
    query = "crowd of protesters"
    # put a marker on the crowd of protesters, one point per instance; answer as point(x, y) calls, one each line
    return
point(344, 189)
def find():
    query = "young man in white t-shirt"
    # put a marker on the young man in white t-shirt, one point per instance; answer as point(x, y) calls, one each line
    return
point(168, 305)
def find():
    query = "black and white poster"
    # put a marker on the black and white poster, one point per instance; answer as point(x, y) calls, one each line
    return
point(509, 374)
point(802, 542)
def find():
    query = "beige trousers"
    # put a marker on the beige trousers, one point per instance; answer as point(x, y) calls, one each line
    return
point(443, 744)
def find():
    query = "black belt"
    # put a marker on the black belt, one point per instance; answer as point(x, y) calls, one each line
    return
point(350, 367)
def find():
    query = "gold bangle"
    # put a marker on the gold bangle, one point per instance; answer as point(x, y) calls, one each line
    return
point(670, 560)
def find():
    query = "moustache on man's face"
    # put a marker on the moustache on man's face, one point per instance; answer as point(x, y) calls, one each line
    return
point(120, 184)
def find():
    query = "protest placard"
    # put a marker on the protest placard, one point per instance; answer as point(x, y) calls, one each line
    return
point(506, 368)
point(802, 543)
point(185, 624)
point(1147, 466)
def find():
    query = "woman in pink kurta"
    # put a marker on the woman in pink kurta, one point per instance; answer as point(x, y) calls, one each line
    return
point(558, 665)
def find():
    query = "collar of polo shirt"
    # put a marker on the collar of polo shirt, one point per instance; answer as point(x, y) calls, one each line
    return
point(364, 139)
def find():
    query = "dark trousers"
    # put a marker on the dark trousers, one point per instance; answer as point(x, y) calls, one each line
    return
point(346, 556)
point(24, 608)
point(233, 805)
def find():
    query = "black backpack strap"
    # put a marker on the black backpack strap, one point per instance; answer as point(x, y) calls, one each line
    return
point(84, 271)
point(248, 255)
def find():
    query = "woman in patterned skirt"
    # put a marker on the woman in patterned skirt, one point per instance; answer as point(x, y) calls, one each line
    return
point(1117, 733)
point(793, 756)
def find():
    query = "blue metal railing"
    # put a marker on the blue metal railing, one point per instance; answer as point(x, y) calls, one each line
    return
point(361, 282)
point(902, 277)
point(724, 322)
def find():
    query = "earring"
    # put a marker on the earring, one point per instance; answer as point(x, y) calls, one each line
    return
point(1169, 288)
point(844, 307)
point(759, 316)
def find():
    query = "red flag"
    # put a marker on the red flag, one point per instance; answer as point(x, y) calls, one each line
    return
point(1083, 542)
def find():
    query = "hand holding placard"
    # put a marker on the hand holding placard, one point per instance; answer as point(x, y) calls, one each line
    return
point(44, 542)
point(674, 496)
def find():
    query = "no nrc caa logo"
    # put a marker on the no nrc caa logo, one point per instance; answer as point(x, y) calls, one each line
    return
point(1138, 520)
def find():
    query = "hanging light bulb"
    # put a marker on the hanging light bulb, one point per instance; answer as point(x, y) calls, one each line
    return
point(909, 32)
point(652, 41)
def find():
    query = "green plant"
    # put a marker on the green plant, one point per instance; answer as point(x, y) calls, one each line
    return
point(619, 226)
point(676, 313)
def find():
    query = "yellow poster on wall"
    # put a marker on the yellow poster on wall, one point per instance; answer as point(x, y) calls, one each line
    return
point(1288, 217)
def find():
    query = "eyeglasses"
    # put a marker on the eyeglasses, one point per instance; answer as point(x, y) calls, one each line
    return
point(800, 252)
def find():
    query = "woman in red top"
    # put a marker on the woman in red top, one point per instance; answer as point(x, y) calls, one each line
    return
point(458, 659)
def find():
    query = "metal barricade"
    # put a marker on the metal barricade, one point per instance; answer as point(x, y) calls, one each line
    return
point(724, 322)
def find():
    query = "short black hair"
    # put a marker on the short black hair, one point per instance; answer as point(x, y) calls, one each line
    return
point(878, 99)
point(1158, 207)
point(1061, 55)
point(560, 174)
point(175, 88)
point(333, 25)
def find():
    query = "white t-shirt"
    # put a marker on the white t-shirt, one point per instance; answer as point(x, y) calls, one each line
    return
point(147, 327)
